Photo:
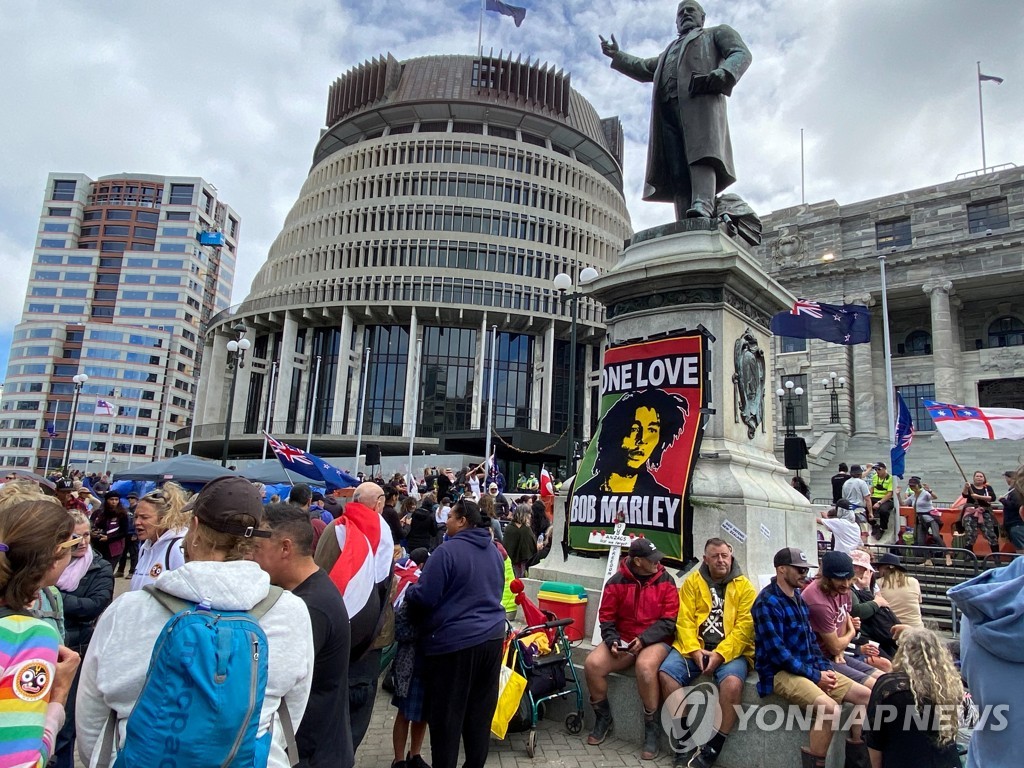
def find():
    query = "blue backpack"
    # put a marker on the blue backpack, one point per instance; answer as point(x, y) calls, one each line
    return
point(200, 705)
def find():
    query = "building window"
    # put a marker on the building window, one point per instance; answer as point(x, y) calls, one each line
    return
point(917, 343)
point(385, 388)
point(64, 189)
point(116, 229)
point(115, 215)
point(801, 414)
point(54, 227)
point(513, 380)
point(60, 211)
point(914, 396)
point(181, 194)
point(446, 379)
point(177, 215)
point(53, 243)
point(982, 217)
point(1006, 331)
point(790, 344)
point(892, 234)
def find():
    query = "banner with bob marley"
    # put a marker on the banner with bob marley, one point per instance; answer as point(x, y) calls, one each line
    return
point(638, 465)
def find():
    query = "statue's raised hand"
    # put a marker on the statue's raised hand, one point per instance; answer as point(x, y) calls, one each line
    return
point(609, 49)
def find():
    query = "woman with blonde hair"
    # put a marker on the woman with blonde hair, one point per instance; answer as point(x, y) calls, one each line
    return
point(161, 525)
point(925, 692)
point(900, 590)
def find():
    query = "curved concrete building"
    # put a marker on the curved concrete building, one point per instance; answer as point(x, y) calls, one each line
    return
point(445, 195)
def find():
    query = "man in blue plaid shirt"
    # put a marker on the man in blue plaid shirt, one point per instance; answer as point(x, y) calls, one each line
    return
point(789, 661)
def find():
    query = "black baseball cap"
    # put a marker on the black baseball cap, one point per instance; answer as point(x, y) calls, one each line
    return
point(644, 548)
point(64, 484)
point(888, 558)
point(879, 465)
point(837, 565)
point(231, 505)
point(792, 556)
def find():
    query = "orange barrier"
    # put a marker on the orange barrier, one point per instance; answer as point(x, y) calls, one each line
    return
point(950, 516)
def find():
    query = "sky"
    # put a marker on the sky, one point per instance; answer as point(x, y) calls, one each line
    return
point(235, 91)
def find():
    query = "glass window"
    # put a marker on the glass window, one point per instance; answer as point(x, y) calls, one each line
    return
point(49, 258)
point(137, 279)
point(914, 396)
point(800, 411)
point(177, 215)
point(789, 344)
point(136, 262)
point(513, 379)
point(112, 246)
point(168, 280)
point(163, 296)
point(81, 260)
point(102, 311)
point(64, 189)
point(181, 194)
point(42, 274)
point(41, 308)
point(113, 214)
point(150, 217)
point(173, 247)
point(78, 277)
point(917, 343)
point(107, 279)
point(447, 373)
point(91, 231)
point(72, 309)
point(140, 246)
point(75, 293)
point(116, 229)
point(145, 233)
point(175, 232)
point(892, 234)
point(385, 398)
point(131, 311)
point(46, 243)
point(92, 215)
point(44, 292)
point(54, 227)
point(40, 333)
point(1006, 331)
point(135, 295)
point(982, 217)
point(59, 211)
point(163, 312)
point(170, 263)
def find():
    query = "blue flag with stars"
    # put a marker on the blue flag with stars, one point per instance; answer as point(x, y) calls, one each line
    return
point(904, 436)
point(835, 323)
point(306, 464)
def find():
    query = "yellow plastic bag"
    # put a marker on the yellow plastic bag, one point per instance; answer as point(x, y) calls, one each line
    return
point(540, 639)
point(511, 686)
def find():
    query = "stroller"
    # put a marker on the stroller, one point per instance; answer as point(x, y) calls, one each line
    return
point(548, 676)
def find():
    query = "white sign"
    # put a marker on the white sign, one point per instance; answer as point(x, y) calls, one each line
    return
point(765, 531)
point(733, 531)
point(610, 539)
point(616, 542)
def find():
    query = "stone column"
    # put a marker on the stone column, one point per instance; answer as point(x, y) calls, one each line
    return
point(943, 348)
point(208, 402)
point(412, 380)
point(547, 369)
point(588, 370)
point(346, 352)
point(863, 376)
point(357, 361)
point(289, 330)
point(478, 419)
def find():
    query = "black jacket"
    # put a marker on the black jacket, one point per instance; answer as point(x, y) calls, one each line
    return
point(422, 530)
point(83, 606)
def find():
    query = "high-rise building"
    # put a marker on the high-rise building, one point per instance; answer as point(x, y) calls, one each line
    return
point(126, 273)
point(445, 194)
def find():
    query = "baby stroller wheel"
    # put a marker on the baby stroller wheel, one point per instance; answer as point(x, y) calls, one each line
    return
point(531, 743)
point(574, 723)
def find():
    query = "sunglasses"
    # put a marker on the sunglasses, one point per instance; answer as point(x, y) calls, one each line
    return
point(153, 496)
point(801, 571)
point(71, 543)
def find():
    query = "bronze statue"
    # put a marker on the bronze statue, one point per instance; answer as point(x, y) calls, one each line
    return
point(689, 155)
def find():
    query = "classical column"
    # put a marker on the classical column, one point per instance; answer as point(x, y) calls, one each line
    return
point(863, 382)
point(289, 332)
point(943, 348)
point(412, 381)
point(547, 368)
point(357, 359)
point(209, 408)
point(347, 354)
point(478, 420)
point(588, 370)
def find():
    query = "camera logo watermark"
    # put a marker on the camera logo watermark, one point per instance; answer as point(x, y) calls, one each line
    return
point(691, 715)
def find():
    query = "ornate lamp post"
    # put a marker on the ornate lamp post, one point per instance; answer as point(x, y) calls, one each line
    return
point(236, 359)
point(833, 383)
point(79, 379)
point(788, 397)
point(563, 283)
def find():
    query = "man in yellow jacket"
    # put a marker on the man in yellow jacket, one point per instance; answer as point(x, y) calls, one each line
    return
point(714, 636)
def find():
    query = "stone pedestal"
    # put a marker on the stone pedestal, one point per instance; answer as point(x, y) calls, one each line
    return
point(684, 276)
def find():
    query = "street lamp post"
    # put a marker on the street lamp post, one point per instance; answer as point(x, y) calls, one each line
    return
point(79, 379)
point(833, 383)
point(563, 283)
point(788, 397)
point(236, 359)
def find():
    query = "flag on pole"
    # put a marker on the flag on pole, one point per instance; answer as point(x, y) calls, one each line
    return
point(547, 488)
point(306, 464)
point(839, 324)
point(964, 422)
point(517, 13)
point(981, 77)
point(104, 408)
point(904, 436)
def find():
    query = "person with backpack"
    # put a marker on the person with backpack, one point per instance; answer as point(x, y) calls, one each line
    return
point(139, 700)
point(160, 524)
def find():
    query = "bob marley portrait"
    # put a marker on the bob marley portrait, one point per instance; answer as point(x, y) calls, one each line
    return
point(634, 434)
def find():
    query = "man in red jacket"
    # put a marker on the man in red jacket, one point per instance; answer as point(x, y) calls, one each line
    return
point(638, 613)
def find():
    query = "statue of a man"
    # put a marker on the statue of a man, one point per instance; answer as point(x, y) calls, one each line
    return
point(689, 155)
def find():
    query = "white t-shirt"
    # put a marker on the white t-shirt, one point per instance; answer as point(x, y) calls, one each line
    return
point(854, 491)
point(474, 486)
point(847, 534)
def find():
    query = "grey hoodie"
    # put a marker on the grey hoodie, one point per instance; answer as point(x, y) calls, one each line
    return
point(992, 658)
point(115, 668)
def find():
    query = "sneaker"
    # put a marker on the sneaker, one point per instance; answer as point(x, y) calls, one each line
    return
point(705, 758)
point(415, 761)
point(398, 764)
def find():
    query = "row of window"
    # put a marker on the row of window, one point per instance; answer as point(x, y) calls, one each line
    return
point(112, 279)
point(981, 217)
point(1006, 331)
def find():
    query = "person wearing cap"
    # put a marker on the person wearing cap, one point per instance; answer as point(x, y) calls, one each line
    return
point(866, 604)
point(226, 517)
point(67, 496)
point(1013, 525)
point(789, 661)
point(714, 636)
point(829, 605)
point(845, 532)
point(903, 592)
point(882, 499)
point(639, 608)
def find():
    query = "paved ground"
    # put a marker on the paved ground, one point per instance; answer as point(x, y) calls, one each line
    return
point(555, 747)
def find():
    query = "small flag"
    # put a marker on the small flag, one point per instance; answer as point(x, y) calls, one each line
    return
point(103, 408)
point(963, 422)
point(306, 464)
point(838, 324)
point(981, 77)
point(517, 13)
point(904, 436)
point(547, 488)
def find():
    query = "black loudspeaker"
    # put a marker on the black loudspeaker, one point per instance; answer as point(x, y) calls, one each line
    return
point(372, 455)
point(795, 452)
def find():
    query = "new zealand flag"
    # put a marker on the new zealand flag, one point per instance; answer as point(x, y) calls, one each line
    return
point(306, 464)
point(838, 324)
point(904, 436)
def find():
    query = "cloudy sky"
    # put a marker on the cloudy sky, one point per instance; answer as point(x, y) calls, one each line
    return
point(235, 92)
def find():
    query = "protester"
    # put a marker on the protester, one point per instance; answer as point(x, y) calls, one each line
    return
point(857, 493)
point(407, 670)
point(902, 592)
point(325, 736)
point(161, 523)
point(1013, 525)
point(912, 716)
point(714, 636)
point(67, 497)
point(846, 533)
point(838, 480)
point(639, 608)
point(519, 540)
point(882, 499)
point(457, 601)
point(110, 528)
point(86, 587)
point(489, 509)
point(877, 621)
point(501, 504)
point(226, 518)
point(789, 661)
point(36, 670)
point(927, 518)
point(130, 557)
point(422, 527)
point(391, 516)
point(977, 515)
point(800, 486)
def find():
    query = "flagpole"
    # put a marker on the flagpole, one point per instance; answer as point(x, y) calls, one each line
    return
point(981, 121)
point(312, 405)
point(890, 392)
point(270, 408)
point(950, 449)
point(480, 40)
point(415, 403)
point(49, 442)
point(362, 406)
point(803, 198)
point(135, 428)
point(490, 402)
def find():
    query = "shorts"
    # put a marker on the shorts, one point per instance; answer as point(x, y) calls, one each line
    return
point(854, 668)
point(803, 691)
point(1015, 533)
point(411, 706)
point(684, 670)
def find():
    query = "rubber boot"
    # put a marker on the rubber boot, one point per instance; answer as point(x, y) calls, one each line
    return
point(857, 754)
point(809, 760)
point(651, 729)
point(602, 722)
